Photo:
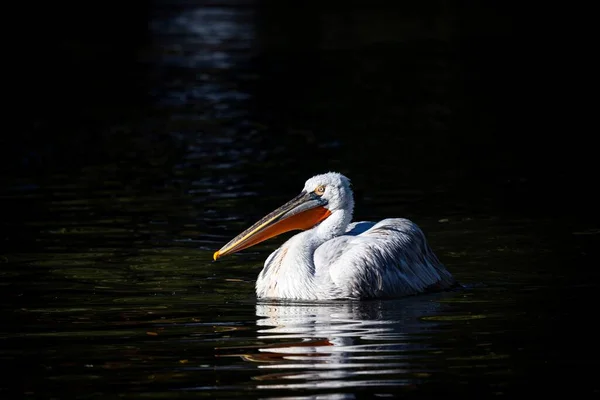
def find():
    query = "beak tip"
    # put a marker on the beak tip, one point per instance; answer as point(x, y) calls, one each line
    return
point(216, 255)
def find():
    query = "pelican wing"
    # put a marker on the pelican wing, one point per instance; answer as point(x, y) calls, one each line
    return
point(388, 259)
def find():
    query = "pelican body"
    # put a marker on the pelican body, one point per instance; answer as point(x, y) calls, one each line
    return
point(336, 259)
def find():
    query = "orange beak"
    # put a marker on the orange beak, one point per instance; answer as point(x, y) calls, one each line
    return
point(302, 212)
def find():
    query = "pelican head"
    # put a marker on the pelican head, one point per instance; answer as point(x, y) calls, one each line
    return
point(322, 195)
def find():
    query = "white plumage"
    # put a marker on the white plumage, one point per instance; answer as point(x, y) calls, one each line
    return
point(336, 259)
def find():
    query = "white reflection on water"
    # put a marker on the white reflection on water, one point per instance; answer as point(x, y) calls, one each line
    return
point(345, 344)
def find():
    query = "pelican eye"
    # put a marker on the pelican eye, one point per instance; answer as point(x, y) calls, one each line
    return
point(320, 190)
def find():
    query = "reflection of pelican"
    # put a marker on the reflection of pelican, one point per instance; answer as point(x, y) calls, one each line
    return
point(375, 321)
point(336, 259)
point(338, 343)
point(335, 344)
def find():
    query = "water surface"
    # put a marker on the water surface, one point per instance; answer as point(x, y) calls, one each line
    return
point(107, 278)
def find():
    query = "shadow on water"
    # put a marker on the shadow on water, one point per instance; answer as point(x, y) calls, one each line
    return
point(189, 122)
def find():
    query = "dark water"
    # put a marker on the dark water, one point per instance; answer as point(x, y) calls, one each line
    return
point(175, 138)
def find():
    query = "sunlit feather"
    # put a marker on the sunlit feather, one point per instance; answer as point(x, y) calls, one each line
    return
point(337, 259)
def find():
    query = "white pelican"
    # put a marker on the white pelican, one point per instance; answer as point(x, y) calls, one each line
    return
point(336, 259)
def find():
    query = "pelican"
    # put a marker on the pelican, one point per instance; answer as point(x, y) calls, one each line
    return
point(335, 259)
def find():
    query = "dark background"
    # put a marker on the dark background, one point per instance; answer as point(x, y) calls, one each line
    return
point(509, 73)
point(438, 110)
